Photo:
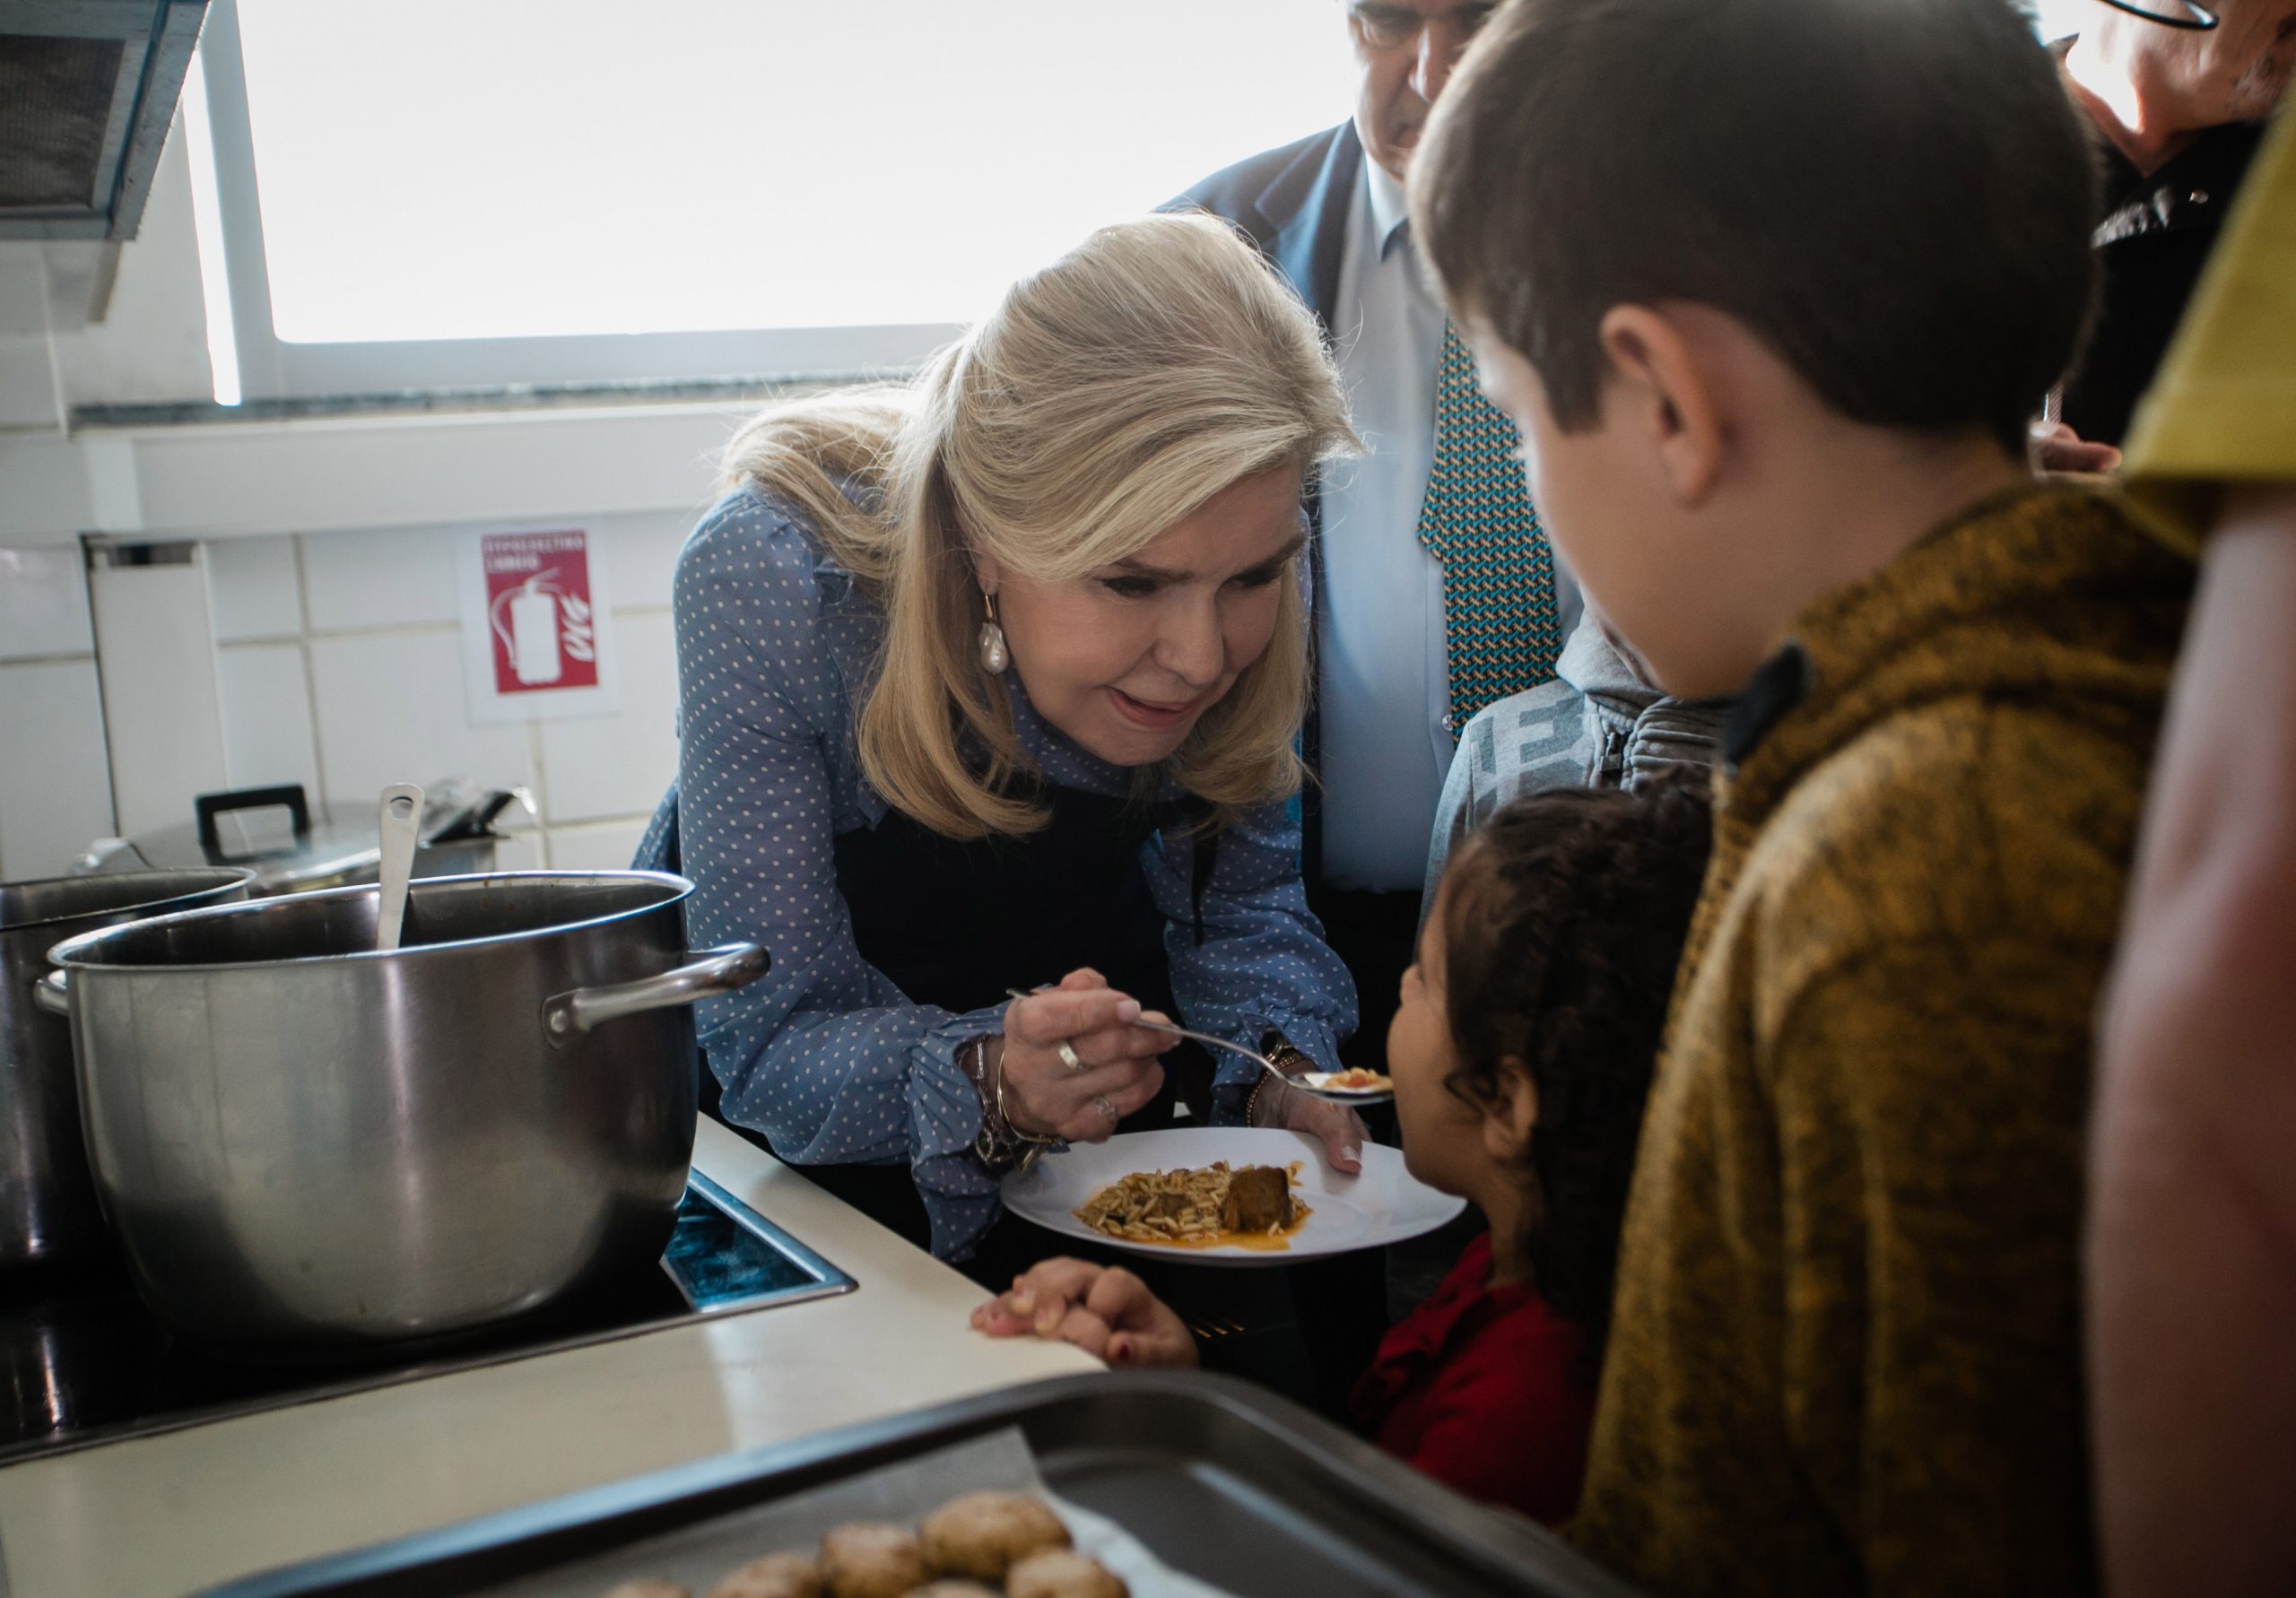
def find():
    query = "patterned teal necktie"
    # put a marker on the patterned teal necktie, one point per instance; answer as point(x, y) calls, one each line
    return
point(1499, 619)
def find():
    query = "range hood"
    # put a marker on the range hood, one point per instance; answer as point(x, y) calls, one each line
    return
point(87, 90)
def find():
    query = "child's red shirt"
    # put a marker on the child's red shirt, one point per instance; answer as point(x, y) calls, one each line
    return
point(1474, 1388)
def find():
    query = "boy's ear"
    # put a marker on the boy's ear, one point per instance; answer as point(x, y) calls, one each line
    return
point(1668, 394)
point(1510, 1113)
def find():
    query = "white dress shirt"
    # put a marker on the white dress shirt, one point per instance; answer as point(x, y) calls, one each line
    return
point(1384, 680)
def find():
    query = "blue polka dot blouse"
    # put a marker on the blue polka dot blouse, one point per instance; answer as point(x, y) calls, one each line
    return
point(824, 1056)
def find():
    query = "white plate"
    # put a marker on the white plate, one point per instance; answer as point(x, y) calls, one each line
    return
point(1384, 1205)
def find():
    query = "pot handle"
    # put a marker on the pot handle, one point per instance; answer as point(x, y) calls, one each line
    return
point(569, 1015)
point(51, 994)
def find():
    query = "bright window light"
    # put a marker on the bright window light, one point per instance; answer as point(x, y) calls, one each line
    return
point(2055, 19)
point(444, 169)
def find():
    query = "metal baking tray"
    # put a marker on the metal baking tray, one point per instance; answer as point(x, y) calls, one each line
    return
point(1222, 1480)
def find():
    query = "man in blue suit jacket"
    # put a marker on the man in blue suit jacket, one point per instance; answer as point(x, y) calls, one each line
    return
point(1330, 211)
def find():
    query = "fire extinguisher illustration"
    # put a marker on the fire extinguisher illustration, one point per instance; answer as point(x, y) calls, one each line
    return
point(543, 625)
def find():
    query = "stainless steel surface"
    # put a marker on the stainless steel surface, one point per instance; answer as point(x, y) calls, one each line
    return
point(79, 151)
point(718, 971)
point(396, 825)
point(1225, 1482)
point(84, 1363)
point(47, 1207)
point(303, 1141)
point(294, 847)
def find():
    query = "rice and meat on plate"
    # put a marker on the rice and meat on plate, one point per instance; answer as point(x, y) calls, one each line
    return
point(1198, 1205)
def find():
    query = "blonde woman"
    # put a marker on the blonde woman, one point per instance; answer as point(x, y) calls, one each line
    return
point(993, 683)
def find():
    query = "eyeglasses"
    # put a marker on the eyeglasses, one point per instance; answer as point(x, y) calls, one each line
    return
point(2195, 19)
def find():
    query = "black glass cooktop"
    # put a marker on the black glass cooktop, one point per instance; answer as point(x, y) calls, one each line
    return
point(82, 1361)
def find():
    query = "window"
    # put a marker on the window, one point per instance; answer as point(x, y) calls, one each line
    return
point(445, 194)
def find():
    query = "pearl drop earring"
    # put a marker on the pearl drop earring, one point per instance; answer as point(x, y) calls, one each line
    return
point(994, 655)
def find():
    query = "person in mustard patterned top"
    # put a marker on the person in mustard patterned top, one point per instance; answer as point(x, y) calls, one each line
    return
point(2191, 1249)
point(1771, 306)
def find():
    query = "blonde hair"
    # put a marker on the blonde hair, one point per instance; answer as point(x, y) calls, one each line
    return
point(1105, 399)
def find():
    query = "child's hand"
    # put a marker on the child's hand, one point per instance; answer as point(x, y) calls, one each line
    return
point(1108, 1313)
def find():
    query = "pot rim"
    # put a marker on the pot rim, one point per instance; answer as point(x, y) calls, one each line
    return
point(222, 878)
point(68, 953)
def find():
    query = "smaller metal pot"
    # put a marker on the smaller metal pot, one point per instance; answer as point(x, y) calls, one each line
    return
point(47, 1206)
point(304, 1144)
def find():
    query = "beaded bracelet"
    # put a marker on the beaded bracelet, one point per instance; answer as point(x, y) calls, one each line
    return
point(1280, 1054)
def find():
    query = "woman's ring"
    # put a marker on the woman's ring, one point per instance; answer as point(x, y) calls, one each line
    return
point(1068, 1056)
point(1100, 1103)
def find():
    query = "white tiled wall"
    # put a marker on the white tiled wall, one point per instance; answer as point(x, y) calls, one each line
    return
point(340, 657)
point(254, 591)
point(600, 767)
point(55, 788)
point(390, 709)
point(44, 603)
point(266, 706)
point(338, 666)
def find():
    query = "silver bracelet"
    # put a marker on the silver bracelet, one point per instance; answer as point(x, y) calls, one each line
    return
point(1011, 1130)
point(1000, 1142)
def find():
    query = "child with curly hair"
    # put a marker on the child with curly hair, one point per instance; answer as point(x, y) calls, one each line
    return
point(1521, 1057)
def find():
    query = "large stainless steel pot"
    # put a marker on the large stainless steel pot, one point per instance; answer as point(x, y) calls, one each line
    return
point(303, 1142)
point(47, 1206)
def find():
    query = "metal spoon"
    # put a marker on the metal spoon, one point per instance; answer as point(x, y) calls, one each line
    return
point(401, 819)
point(1306, 1081)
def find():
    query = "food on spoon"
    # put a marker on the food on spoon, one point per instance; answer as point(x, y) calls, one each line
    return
point(1189, 1208)
point(646, 1588)
point(868, 1559)
point(1258, 1200)
point(776, 1576)
point(1063, 1573)
point(1353, 1080)
point(983, 1534)
point(955, 1586)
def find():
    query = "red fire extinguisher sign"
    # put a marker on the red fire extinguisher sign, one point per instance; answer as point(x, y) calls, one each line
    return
point(538, 609)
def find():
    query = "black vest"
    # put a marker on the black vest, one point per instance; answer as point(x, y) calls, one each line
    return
point(955, 923)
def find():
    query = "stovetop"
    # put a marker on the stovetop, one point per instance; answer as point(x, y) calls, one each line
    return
point(83, 1360)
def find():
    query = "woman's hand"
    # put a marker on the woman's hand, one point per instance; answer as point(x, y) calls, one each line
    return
point(1341, 1129)
point(1108, 1313)
point(1117, 1071)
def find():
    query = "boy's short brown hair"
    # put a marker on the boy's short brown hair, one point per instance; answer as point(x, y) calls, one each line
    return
point(1896, 195)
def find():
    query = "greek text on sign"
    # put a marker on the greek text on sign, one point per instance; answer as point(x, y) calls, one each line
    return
point(539, 610)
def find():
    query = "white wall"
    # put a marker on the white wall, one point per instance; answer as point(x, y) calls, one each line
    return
point(54, 786)
point(336, 663)
point(340, 662)
point(329, 547)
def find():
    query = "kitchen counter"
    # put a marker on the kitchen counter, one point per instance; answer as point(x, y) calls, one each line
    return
point(170, 1513)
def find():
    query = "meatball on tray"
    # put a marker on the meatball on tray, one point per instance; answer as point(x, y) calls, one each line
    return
point(1175, 1484)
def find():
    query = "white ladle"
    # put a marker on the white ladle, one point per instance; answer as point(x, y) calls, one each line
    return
point(401, 821)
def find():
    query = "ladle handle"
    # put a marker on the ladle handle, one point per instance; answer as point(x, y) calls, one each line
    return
point(567, 1015)
point(400, 821)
